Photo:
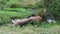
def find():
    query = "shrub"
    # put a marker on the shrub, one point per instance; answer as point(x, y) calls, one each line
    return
point(6, 16)
point(53, 6)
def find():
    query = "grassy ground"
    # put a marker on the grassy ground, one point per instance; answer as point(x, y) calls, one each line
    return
point(31, 29)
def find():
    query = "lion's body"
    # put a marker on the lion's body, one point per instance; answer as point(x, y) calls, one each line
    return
point(26, 20)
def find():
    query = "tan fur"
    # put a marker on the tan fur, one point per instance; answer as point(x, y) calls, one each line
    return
point(36, 18)
point(23, 21)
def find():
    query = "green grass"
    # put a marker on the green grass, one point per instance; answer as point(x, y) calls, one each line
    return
point(31, 29)
point(7, 16)
point(10, 13)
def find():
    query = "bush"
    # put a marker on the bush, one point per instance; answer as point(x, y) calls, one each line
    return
point(54, 7)
point(6, 16)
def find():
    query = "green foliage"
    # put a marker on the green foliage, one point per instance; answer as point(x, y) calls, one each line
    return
point(7, 15)
point(24, 3)
point(53, 6)
point(41, 12)
point(16, 8)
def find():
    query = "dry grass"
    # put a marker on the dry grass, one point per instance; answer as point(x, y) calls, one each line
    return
point(29, 29)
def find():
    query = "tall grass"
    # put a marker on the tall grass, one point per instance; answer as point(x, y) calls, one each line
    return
point(31, 29)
